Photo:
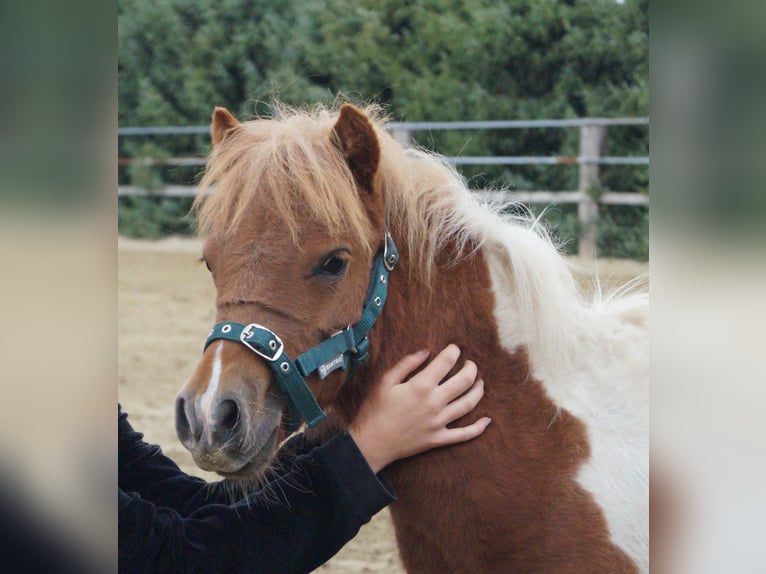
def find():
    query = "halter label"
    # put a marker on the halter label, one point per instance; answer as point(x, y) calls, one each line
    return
point(330, 366)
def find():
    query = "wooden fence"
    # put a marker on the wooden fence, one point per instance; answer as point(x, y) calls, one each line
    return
point(593, 133)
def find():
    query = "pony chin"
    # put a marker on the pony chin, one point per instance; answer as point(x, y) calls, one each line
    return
point(265, 440)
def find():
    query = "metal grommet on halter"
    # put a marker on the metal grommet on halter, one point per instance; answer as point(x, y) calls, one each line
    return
point(390, 254)
point(273, 345)
point(225, 328)
point(285, 367)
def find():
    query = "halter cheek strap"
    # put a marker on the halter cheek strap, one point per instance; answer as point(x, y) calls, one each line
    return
point(346, 349)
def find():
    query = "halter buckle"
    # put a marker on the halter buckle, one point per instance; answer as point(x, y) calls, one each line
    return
point(270, 346)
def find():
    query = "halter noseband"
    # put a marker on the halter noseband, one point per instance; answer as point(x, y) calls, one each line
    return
point(345, 349)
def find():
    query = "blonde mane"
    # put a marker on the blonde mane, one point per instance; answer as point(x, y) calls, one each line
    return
point(292, 158)
point(289, 163)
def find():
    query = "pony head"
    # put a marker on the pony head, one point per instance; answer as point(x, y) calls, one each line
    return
point(292, 227)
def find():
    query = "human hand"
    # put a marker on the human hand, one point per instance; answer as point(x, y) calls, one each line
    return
point(399, 419)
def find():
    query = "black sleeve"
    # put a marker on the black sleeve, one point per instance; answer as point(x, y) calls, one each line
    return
point(143, 468)
point(295, 524)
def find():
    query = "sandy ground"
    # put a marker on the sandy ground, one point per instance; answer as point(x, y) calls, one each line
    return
point(165, 310)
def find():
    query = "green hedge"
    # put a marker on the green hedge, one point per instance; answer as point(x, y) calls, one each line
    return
point(443, 60)
point(155, 217)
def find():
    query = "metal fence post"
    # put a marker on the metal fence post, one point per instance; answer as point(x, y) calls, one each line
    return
point(591, 141)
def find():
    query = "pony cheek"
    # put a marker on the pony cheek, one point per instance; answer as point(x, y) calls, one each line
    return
point(326, 390)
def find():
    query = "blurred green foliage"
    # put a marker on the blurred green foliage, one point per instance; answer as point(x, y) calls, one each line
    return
point(153, 217)
point(425, 60)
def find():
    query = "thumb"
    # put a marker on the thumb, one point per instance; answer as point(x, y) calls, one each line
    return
point(404, 367)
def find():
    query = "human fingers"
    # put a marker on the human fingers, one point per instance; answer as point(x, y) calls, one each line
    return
point(404, 367)
point(465, 404)
point(456, 435)
point(441, 364)
point(459, 383)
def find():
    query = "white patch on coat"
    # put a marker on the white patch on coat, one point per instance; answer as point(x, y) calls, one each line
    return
point(592, 359)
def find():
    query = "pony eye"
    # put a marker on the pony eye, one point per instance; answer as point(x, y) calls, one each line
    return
point(208, 265)
point(334, 265)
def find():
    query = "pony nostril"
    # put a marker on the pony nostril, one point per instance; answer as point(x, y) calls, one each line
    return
point(187, 427)
point(227, 415)
point(183, 428)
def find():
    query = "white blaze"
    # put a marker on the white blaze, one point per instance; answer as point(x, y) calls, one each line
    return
point(208, 399)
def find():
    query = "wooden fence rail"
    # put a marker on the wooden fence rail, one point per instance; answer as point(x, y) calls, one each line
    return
point(593, 132)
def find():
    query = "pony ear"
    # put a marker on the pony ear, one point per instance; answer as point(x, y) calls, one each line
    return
point(222, 122)
point(356, 138)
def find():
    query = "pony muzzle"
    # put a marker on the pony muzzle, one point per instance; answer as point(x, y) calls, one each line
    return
point(221, 435)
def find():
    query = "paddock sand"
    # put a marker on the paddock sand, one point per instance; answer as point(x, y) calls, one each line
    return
point(165, 310)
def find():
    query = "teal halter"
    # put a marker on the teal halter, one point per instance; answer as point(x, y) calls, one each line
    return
point(346, 349)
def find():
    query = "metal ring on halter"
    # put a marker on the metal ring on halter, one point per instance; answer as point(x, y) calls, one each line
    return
point(389, 260)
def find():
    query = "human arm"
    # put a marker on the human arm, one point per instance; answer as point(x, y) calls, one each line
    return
point(294, 525)
point(143, 468)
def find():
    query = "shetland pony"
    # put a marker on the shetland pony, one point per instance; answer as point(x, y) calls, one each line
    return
point(300, 207)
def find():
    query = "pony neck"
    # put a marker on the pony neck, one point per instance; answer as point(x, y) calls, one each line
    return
point(498, 287)
point(453, 303)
